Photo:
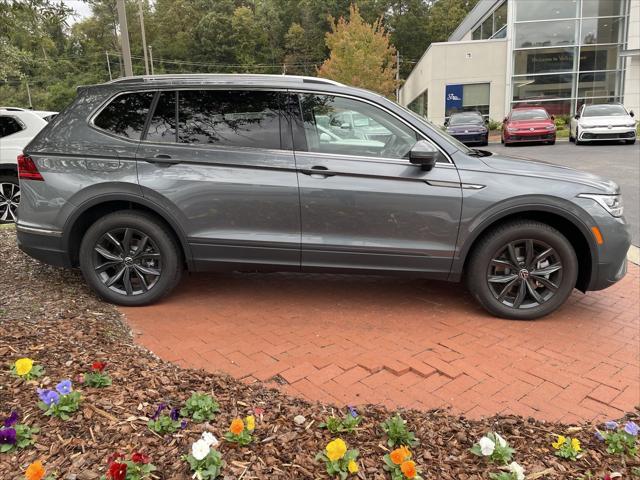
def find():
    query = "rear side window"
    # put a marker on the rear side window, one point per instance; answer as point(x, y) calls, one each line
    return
point(125, 115)
point(9, 126)
point(236, 118)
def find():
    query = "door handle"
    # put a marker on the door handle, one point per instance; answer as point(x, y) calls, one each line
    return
point(162, 159)
point(318, 171)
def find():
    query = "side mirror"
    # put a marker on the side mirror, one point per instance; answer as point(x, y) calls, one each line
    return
point(631, 114)
point(553, 117)
point(504, 120)
point(577, 116)
point(424, 154)
point(486, 121)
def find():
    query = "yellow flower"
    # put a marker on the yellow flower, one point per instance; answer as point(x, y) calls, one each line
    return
point(24, 366)
point(561, 441)
point(575, 445)
point(251, 423)
point(336, 449)
point(353, 467)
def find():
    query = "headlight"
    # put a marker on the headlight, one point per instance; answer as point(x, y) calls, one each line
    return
point(611, 203)
point(550, 127)
point(631, 125)
point(512, 129)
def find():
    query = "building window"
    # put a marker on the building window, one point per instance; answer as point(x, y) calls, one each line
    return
point(545, 10)
point(540, 87)
point(469, 97)
point(601, 30)
point(420, 104)
point(493, 25)
point(546, 60)
point(545, 34)
point(602, 8)
point(554, 107)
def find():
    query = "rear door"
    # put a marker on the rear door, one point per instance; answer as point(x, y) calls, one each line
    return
point(215, 159)
point(364, 206)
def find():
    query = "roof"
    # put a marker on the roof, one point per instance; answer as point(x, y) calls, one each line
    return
point(477, 13)
point(221, 78)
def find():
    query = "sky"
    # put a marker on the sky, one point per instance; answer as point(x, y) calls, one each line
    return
point(82, 9)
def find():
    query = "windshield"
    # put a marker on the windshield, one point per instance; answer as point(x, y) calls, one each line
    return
point(529, 115)
point(604, 111)
point(466, 118)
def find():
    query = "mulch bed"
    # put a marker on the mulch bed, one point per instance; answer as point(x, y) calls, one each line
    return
point(49, 315)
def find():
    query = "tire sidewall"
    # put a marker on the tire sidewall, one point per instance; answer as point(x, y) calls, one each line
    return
point(480, 263)
point(14, 181)
point(171, 267)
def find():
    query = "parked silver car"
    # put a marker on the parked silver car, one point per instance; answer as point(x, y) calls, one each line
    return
point(143, 177)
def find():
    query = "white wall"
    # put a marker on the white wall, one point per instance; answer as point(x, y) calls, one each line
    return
point(632, 76)
point(480, 61)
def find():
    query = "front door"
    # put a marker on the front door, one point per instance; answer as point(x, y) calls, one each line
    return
point(214, 159)
point(364, 206)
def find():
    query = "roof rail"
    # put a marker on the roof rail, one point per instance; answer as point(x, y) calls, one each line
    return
point(185, 76)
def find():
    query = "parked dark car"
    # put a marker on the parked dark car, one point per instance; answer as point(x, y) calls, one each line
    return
point(468, 127)
point(528, 124)
point(144, 177)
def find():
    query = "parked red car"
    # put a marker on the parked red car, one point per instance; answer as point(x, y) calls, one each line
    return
point(528, 124)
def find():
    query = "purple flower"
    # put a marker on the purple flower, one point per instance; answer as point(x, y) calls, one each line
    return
point(48, 397)
point(631, 428)
point(183, 425)
point(611, 425)
point(599, 436)
point(174, 415)
point(12, 419)
point(7, 436)
point(353, 411)
point(64, 387)
point(159, 410)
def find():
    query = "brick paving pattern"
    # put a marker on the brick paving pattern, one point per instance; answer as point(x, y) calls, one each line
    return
point(408, 343)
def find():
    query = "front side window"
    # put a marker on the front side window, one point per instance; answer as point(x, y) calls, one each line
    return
point(162, 127)
point(237, 118)
point(125, 115)
point(371, 132)
point(9, 126)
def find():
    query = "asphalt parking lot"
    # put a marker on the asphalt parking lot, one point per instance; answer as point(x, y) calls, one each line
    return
point(619, 162)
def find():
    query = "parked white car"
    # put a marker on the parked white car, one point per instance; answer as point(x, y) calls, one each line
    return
point(607, 121)
point(17, 127)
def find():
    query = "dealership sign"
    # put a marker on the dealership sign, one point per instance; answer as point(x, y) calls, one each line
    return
point(453, 98)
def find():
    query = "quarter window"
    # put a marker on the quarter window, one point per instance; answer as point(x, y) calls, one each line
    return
point(354, 128)
point(162, 127)
point(9, 126)
point(126, 114)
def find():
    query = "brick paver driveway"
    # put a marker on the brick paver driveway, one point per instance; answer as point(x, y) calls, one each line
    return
point(410, 343)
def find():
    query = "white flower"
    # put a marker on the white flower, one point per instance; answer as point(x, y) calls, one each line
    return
point(517, 469)
point(487, 446)
point(200, 449)
point(210, 439)
point(501, 441)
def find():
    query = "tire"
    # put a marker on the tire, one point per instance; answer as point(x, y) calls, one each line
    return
point(152, 274)
point(9, 198)
point(577, 142)
point(490, 270)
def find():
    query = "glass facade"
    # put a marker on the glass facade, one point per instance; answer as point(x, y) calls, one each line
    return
point(567, 52)
point(420, 104)
point(494, 25)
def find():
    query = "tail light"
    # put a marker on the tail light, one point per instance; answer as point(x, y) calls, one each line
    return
point(27, 169)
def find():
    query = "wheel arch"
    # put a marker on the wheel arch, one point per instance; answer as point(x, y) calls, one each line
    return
point(572, 227)
point(92, 210)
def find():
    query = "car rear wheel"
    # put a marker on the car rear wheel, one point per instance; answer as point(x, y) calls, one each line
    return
point(9, 198)
point(131, 259)
point(522, 270)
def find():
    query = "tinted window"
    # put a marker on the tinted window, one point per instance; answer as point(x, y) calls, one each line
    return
point(235, 118)
point(366, 131)
point(462, 118)
point(9, 126)
point(125, 115)
point(162, 127)
point(604, 111)
point(529, 115)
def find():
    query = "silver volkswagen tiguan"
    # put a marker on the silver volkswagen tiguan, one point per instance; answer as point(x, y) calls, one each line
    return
point(144, 177)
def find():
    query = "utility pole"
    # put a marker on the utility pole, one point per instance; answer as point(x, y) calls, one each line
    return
point(124, 38)
point(398, 76)
point(151, 58)
point(108, 64)
point(144, 39)
point(29, 94)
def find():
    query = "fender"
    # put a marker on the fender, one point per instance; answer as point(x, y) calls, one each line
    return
point(479, 225)
point(127, 197)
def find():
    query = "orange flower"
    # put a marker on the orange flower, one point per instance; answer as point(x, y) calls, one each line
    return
point(408, 468)
point(399, 455)
point(237, 426)
point(35, 471)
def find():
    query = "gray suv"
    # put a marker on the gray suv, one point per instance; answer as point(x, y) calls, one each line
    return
point(144, 177)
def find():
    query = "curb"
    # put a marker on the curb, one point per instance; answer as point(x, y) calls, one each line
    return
point(633, 255)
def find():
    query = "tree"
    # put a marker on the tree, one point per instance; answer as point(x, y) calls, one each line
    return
point(361, 54)
point(445, 16)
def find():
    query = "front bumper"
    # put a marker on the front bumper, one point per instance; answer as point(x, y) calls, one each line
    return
point(612, 258)
point(605, 133)
point(540, 136)
point(469, 138)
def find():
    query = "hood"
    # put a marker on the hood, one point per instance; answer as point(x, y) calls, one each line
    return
point(519, 166)
point(606, 121)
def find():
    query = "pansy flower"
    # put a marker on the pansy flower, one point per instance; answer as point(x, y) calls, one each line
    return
point(611, 425)
point(98, 366)
point(23, 366)
point(140, 458)
point(117, 471)
point(174, 414)
point(12, 419)
point(64, 387)
point(352, 411)
point(159, 410)
point(631, 428)
point(7, 436)
point(48, 397)
point(35, 471)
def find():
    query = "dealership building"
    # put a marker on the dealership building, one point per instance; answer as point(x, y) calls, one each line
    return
point(509, 53)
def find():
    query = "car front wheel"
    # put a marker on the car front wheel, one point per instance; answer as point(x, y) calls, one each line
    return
point(130, 259)
point(9, 198)
point(522, 270)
